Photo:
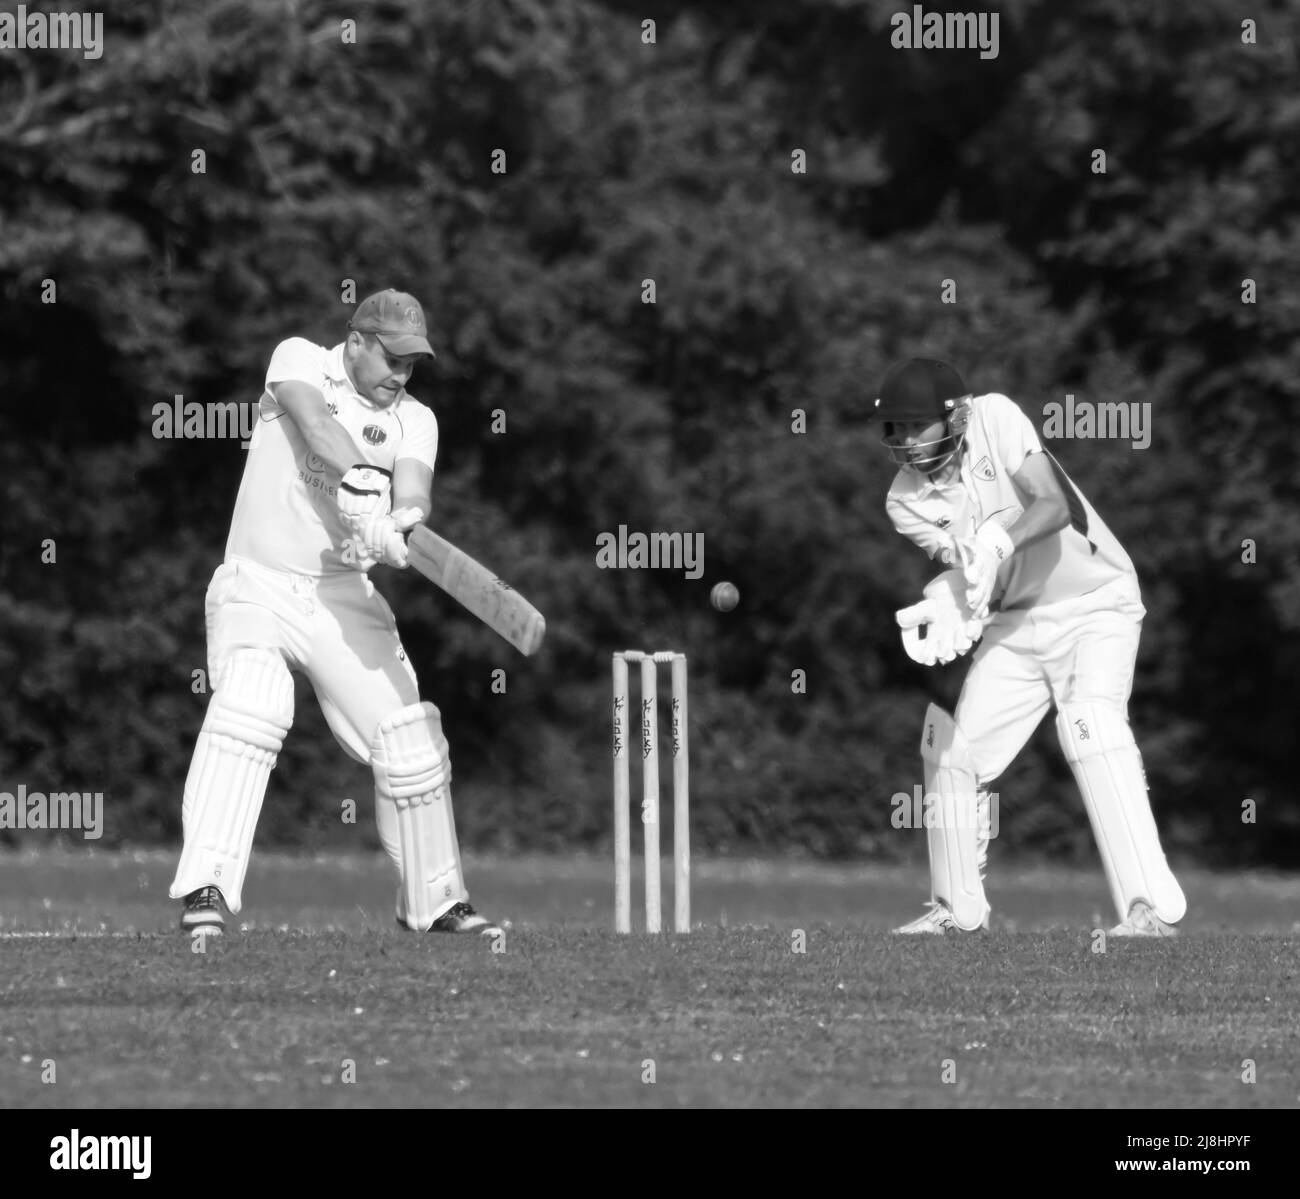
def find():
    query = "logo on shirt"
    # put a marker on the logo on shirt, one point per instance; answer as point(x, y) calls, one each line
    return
point(315, 464)
point(332, 408)
point(943, 522)
point(374, 435)
point(984, 470)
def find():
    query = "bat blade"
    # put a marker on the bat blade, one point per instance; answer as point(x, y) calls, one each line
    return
point(477, 589)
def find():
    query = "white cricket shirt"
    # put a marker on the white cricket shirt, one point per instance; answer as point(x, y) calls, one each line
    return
point(286, 514)
point(1080, 558)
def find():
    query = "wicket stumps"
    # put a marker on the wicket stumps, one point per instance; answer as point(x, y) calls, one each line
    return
point(649, 738)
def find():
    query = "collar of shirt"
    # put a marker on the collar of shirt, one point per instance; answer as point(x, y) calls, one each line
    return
point(337, 374)
point(334, 368)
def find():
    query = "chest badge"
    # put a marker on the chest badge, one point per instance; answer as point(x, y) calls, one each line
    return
point(374, 435)
point(983, 469)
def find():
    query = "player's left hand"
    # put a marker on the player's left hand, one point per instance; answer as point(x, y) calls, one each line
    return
point(381, 534)
point(939, 629)
point(981, 556)
point(356, 555)
point(926, 638)
point(363, 491)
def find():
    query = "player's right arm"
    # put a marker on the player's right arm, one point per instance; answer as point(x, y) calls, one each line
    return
point(325, 437)
point(1044, 506)
point(363, 489)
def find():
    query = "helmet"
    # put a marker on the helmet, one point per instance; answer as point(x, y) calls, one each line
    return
point(923, 389)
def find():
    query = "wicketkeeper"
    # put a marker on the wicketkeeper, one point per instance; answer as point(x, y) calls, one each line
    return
point(341, 459)
point(1050, 595)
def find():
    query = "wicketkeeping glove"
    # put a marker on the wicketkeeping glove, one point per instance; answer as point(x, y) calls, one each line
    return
point(940, 628)
point(981, 556)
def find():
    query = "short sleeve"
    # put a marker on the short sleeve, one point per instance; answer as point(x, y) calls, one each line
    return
point(299, 359)
point(1008, 430)
point(419, 434)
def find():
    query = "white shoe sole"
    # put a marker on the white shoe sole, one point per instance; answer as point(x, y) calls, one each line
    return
point(210, 927)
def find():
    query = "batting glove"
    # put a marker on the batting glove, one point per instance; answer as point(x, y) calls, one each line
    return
point(356, 555)
point(381, 534)
point(364, 490)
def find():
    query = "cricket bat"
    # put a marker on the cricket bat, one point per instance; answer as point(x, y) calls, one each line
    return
point(477, 589)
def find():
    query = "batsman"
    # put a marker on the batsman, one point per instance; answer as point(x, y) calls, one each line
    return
point(340, 464)
point(1052, 599)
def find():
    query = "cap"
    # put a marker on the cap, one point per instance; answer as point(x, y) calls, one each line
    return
point(397, 319)
point(918, 389)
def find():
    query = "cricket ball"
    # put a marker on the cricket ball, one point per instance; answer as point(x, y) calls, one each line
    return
point(724, 596)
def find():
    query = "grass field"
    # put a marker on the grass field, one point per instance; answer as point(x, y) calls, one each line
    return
point(96, 980)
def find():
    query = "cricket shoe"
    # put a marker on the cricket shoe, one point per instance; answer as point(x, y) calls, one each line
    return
point(937, 921)
point(1143, 922)
point(205, 909)
point(460, 918)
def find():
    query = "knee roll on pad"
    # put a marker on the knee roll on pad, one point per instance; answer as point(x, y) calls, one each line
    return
point(1107, 766)
point(413, 774)
point(412, 750)
point(252, 702)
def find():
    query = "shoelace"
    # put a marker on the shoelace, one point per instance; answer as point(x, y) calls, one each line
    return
point(934, 908)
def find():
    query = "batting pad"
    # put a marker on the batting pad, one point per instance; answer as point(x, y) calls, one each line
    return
point(953, 825)
point(1107, 765)
point(245, 725)
point(413, 782)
